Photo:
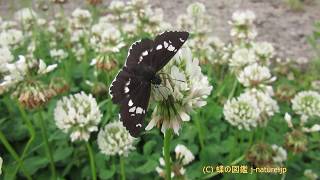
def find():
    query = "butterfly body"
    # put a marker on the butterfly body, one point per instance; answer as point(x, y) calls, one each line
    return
point(132, 86)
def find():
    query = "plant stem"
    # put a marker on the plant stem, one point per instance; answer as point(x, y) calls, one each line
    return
point(200, 132)
point(47, 144)
point(12, 152)
point(234, 87)
point(166, 149)
point(123, 174)
point(31, 130)
point(92, 162)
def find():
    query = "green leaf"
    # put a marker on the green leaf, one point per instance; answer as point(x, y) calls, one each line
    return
point(148, 167)
point(35, 163)
point(62, 153)
point(148, 147)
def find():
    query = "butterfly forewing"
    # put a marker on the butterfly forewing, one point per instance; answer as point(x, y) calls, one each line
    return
point(166, 45)
point(138, 52)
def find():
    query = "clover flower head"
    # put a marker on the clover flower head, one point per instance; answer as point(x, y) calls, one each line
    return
point(183, 157)
point(185, 89)
point(27, 17)
point(306, 103)
point(254, 75)
point(78, 115)
point(308, 173)
point(106, 38)
point(81, 18)
point(11, 38)
point(242, 112)
point(58, 54)
point(242, 25)
point(267, 106)
point(264, 51)
point(13, 73)
point(183, 154)
point(5, 58)
point(115, 139)
point(1, 161)
point(196, 9)
point(280, 154)
point(241, 58)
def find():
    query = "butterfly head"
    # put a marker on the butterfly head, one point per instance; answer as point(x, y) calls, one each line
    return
point(156, 80)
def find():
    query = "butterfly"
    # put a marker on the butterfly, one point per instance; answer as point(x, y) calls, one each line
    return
point(131, 87)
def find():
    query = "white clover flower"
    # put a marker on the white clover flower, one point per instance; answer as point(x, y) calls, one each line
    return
point(254, 75)
point(288, 119)
point(77, 115)
point(186, 88)
point(114, 139)
point(196, 9)
point(81, 18)
point(184, 22)
point(306, 103)
point(117, 6)
point(1, 161)
point(267, 106)
point(58, 54)
point(242, 57)
point(242, 112)
point(242, 25)
point(280, 154)
point(310, 174)
point(183, 157)
point(11, 38)
point(27, 17)
point(44, 69)
point(6, 25)
point(14, 73)
point(264, 50)
point(183, 154)
point(106, 38)
point(314, 128)
point(5, 58)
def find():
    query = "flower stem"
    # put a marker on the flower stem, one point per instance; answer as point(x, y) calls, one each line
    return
point(92, 162)
point(166, 147)
point(234, 87)
point(12, 152)
point(31, 132)
point(47, 145)
point(200, 132)
point(122, 170)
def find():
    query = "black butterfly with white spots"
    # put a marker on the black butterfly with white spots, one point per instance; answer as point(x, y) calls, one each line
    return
point(132, 86)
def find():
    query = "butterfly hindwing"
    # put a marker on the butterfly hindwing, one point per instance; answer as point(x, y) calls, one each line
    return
point(134, 108)
point(166, 45)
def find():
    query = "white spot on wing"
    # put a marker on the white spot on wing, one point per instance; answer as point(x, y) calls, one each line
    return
point(171, 48)
point(130, 103)
point(140, 59)
point(132, 109)
point(139, 110)
point(159, 47)
point(145, 53)
point(182, 40)
point(138, 125)
point(165, 44)
point(126, 89)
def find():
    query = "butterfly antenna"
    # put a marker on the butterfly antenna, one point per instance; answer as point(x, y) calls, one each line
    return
point(175, 79)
